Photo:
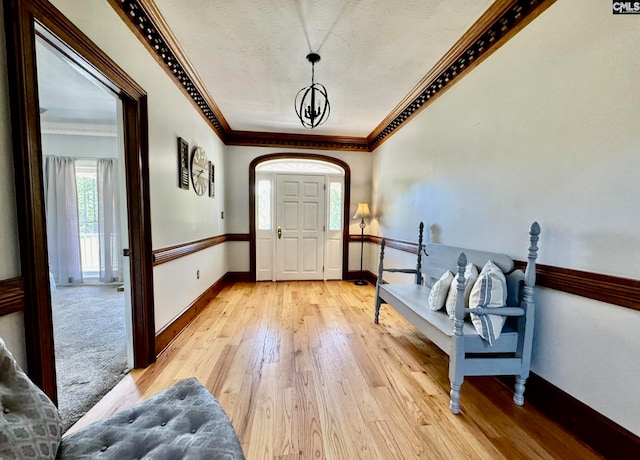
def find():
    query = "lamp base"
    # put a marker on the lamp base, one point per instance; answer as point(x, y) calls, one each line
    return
point(360, 283)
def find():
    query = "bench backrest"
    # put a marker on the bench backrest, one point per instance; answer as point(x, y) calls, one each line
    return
point(441, 258)
point(433, 260)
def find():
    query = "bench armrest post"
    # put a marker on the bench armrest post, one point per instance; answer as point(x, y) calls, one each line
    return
point(526, 337)
point(456, 356)
point(381, 263)
point(379, 281)
point(458, 320)
point(419, 262)
point(530, 273)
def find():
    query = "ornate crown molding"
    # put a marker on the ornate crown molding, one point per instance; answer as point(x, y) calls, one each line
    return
point(318, 142)
point(494, 28)
point(79, 129)
point(144, 19)
point(497, 25)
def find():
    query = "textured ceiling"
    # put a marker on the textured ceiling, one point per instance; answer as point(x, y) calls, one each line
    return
point(250, 55)
point(67, 94)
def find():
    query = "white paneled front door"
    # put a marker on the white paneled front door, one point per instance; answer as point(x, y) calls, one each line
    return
point(300, 216)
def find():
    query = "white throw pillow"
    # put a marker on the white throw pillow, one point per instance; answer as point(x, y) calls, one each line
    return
point(470, 276)
point(439, 291)
point(490, 291)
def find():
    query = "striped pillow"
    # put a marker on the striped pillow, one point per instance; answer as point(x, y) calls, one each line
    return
point(490, 291)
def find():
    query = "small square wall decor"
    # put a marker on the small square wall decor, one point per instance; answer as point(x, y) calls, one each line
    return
point(183, 164)
point(212, 180)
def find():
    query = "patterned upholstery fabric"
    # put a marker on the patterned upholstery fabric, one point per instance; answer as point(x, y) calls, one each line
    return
point(30, 425)
point(183, 422)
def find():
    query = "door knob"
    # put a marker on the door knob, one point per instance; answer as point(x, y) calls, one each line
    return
point(279, 232)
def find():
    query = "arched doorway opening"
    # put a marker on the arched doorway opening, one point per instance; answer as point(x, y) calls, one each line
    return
point(298, 164)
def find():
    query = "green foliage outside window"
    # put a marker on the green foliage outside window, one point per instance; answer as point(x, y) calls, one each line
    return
point(335, 205)
point(87, 204)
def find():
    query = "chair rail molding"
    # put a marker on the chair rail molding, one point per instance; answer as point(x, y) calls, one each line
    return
point(614, 290)
point(11, 295)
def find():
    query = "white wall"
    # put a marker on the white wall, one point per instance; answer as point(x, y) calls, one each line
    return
point(545, 129)
point(12, 333)
point(237, 161)
point(180, 278)
point(76, 146)
point(177, 215)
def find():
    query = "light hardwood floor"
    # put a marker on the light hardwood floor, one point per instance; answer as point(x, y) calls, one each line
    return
point(304, 373)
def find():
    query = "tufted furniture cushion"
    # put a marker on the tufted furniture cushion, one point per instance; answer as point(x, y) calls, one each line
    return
point(30, 425)
point(182, 422)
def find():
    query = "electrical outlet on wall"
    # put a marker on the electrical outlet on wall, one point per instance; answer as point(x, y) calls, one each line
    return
point(198, 274)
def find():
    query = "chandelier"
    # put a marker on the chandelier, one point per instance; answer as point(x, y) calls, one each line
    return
point(312, 102)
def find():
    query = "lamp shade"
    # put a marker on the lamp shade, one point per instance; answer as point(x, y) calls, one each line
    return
point(362, 211)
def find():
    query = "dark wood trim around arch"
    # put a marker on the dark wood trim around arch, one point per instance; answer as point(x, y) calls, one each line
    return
point(252, 203)
point(20, 19)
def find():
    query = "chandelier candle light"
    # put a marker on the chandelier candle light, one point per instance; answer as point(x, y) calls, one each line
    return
point(361, 213)
point(312, 102)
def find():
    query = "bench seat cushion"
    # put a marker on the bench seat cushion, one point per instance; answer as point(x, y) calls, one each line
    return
point(183, 421)
point(412, 302)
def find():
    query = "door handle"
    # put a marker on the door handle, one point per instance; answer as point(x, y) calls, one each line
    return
point(279, 232)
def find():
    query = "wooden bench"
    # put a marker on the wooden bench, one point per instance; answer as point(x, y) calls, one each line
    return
point(469, 354)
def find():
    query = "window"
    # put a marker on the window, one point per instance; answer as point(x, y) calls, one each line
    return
point(335, 205)
point(87, 189)
point(264, 204)
point(301, 166)
point(87, 203)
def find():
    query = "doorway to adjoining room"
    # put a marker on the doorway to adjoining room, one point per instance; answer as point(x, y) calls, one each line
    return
point(86, 226)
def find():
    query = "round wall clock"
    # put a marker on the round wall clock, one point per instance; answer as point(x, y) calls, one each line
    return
point(199, 170)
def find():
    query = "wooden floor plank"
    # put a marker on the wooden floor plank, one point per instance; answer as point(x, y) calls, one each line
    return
point(263, 431)
point(307, 417)
point(304, 373)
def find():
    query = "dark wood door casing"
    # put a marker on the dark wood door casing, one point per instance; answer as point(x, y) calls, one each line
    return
point(25, 121)
point(21, 17)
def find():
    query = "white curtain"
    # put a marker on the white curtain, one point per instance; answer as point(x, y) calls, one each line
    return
point(61, 208)
point(109, 221)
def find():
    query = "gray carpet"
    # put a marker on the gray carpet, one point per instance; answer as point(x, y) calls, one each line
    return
point(90, 345)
